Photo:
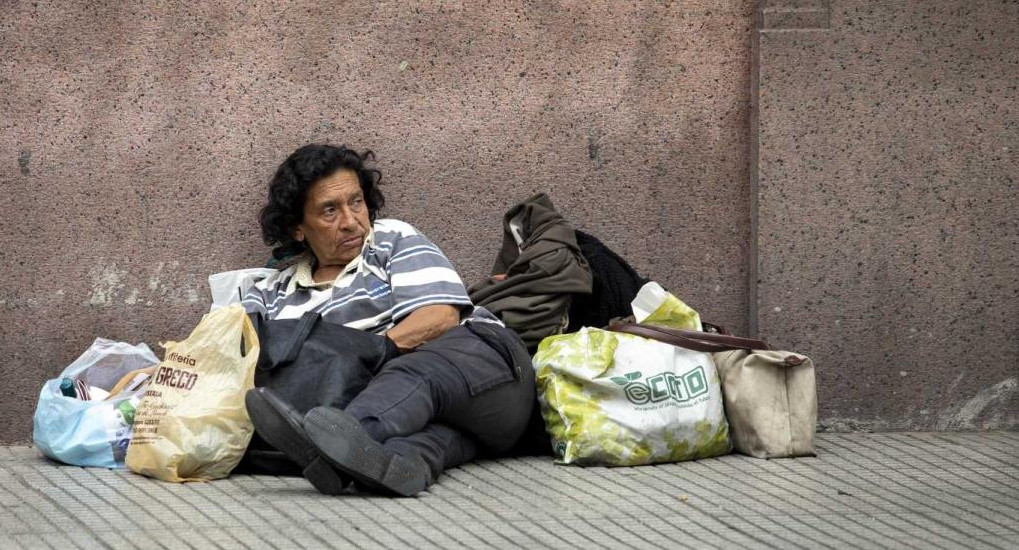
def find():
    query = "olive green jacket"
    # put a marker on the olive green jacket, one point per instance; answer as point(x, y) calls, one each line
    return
point(542, 273)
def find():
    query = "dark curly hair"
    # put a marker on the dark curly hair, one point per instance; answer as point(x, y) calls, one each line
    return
point(288, 191)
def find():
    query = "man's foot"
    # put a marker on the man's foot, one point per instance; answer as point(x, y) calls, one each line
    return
point(282, 427)
point(346, 445)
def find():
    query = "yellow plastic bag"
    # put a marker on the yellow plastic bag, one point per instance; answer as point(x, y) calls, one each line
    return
point(656, 306)
point(615, 399)
point(192, 424)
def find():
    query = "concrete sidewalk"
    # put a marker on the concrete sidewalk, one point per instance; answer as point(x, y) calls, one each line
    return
point(908, 490)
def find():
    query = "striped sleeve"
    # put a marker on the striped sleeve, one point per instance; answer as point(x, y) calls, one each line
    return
point(254, 301)
point(265, 295)
point(420, 274)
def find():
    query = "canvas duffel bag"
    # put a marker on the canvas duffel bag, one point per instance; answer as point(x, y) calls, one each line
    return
point(770, 396)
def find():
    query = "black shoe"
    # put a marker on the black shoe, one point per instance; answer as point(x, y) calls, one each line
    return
point(341, 439)
point(283, 428)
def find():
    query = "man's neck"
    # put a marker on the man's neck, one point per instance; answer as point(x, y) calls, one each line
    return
point(326, 274)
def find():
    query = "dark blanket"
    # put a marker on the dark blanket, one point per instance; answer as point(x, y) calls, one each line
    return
point(615, 285)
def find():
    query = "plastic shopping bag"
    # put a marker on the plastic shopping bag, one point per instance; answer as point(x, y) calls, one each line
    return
point(656, 306)
point(229, 287)
point(617, 399)
point(192, 424)
point(92, 432)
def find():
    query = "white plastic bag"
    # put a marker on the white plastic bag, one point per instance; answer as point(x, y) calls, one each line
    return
point(617, 399)
point(91, 433)
point(621, 400)
point(230, 287)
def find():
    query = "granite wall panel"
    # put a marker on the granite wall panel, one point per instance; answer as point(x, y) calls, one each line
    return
point(870, 200)
point(137, 139)
point(885, 169)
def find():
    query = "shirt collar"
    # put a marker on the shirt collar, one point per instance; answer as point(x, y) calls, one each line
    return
point(305, 268)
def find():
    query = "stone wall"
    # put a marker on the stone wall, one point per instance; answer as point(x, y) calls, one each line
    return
point(885, 165)
point(137, 140)
point(841, 181)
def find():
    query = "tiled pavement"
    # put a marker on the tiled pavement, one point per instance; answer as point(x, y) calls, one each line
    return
point(893, 490)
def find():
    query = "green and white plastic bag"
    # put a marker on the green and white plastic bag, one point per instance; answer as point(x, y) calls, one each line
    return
point(616, 399)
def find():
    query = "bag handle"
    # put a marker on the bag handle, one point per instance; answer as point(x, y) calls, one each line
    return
point(249, 337)
point(292, 347)
point(690, 339)
point(300, 334)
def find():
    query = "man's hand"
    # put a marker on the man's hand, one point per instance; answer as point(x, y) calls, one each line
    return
point(423, 325)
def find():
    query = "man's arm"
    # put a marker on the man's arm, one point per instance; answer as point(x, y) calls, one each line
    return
point(422, 325)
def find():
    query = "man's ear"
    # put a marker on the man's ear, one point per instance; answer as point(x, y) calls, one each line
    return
point(299, 234)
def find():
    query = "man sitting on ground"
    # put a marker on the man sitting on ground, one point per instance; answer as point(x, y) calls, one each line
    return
point(463, 382)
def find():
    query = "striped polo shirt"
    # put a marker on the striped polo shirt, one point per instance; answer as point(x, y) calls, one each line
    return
point(397, 272)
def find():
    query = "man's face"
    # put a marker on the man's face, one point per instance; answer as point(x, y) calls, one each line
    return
point(335, 219)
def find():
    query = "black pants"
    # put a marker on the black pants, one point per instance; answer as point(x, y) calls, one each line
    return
point(467, 392)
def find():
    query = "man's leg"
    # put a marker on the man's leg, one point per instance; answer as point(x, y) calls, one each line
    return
point(497, 415)
point(406, 394)
point(439, 445)
point(402, 467)
point(477, 379)
point(454, 377)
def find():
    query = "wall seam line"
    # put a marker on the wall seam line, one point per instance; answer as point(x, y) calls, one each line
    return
point(753, 271)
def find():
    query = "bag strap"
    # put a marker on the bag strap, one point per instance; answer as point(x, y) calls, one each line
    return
point(300, 334)
point(690, 339)
point(278, 353)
